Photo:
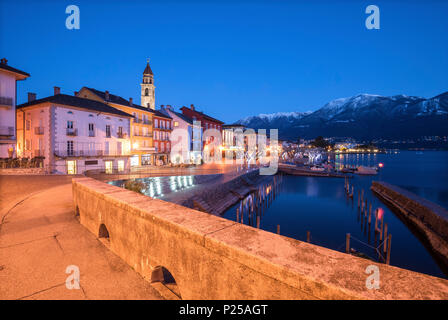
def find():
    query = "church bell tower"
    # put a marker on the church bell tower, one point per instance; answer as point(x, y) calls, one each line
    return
point(148, 99)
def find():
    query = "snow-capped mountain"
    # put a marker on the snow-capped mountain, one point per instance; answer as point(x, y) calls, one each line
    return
point(278, 120)
point(363, 116)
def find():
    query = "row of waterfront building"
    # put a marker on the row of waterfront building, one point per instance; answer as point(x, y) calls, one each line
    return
point(94, 129)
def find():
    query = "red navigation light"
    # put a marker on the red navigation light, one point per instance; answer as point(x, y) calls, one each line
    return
point(381, 165)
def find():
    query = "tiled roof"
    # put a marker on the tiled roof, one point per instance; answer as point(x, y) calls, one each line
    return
point(157, 113)
point(112, 98)
point(180, 115)
point(121, 101)
point(74, 101)
point(11, 69)
point(183, 117)
point(204, 115)
point(210, 118)
point(235, 125)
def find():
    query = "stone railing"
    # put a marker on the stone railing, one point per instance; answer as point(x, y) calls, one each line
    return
point(22, 171)
point(429, 219)
point(213, 258)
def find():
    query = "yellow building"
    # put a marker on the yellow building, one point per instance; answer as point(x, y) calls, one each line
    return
point(142, 144)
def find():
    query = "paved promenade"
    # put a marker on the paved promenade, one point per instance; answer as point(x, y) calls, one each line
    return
point(40, 237)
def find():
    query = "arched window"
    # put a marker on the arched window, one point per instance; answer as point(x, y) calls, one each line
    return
point(146, 92)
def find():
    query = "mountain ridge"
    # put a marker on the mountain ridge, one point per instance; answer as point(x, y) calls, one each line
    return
point(363, 116)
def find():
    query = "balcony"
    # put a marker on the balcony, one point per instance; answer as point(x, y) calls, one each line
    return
point(146, 135)
point(72, 132)
point(6, 102)
point(89, 149)
point(144, 148)
point(122, 135)
point(78, 153)
point(89, 153)
point(91, 133)
point(163, 128)
point(7, 131)
point(39, 131)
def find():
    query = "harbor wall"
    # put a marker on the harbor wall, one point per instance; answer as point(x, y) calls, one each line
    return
point(429, 218)
point(214, 258)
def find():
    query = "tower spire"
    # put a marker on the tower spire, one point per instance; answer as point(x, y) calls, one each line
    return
point(148, 70)
point(148, 88)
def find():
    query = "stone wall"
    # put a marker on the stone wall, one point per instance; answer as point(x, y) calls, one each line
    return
point(22, 171)
point(214, 258)
point(430, 219)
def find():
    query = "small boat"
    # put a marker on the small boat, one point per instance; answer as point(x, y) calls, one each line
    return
point(366, 170)
point(319, 169)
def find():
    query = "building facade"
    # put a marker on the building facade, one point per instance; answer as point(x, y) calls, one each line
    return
point(8, 96)
point(231, 147)
point(73, 134)
point(189, 151)
point(207, 123)
point(142, 143)
point(163, 126)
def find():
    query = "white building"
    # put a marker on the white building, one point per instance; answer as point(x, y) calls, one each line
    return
point(231, 146)
point(73, 134)
point(193, 143)
point(8, 85)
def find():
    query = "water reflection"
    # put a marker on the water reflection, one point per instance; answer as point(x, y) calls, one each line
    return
point(158, 187)
point(353, 161)
point(320, 209)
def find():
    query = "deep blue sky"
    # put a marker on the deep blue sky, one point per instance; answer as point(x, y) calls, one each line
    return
point(231, 59)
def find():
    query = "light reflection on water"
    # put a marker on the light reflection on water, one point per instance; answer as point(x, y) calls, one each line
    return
point(158, 187)
point(320, 205)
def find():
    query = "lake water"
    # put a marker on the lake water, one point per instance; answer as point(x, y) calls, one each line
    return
point(320, 205)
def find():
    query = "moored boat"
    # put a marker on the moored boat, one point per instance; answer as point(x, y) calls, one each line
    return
point(366, 170)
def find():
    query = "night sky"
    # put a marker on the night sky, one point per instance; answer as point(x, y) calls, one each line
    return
point(231, 59)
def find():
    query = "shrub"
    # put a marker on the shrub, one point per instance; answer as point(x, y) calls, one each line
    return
point(135, 186)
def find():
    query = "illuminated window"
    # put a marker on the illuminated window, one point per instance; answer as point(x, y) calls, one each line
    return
point(120, 165)
point(176, 124)
point(134, 160)
point(109, 165)
point(71, 167)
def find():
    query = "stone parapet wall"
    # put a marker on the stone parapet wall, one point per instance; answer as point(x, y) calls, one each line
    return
point(22, 171)
point(214, 258)
point(430, 219)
